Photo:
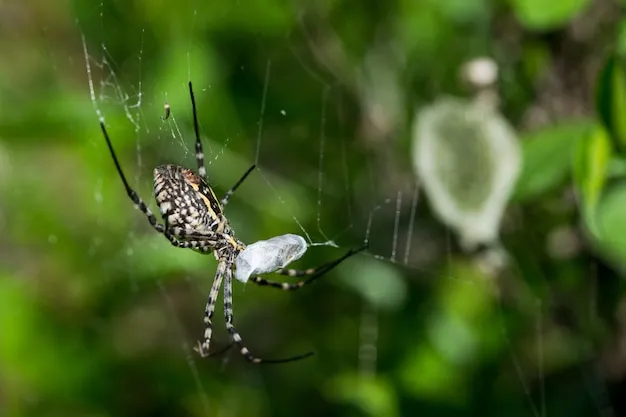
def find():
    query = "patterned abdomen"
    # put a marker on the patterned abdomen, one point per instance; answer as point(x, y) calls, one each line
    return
point(186, 202)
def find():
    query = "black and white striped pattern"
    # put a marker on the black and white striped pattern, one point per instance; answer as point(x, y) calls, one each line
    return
point(209, 309)
point(196, 129)
point(234, 334)
point(194, 219)
point(174, 236)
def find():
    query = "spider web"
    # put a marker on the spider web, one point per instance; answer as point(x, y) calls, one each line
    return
point(383, 212)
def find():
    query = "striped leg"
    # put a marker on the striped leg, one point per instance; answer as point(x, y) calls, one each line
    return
point(313, 273)
point(200, 153)
point(203, 347)
point(196, 128)
point(202, 245)
point(237, 184)
point(228, 315)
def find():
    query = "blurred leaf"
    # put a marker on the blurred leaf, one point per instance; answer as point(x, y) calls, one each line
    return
point(547, 158)
point(591, 159)
point(612, 222)
point(617, 168)
point(35, 351)
point(464, 311)
point(462, 11)
point(540, 14)
point(377, 282)
point(426, 374)
point(443, 327)
point(611, 100)
point(621, 38)
point(374, 395)
point(536, 59)
point(420, 27)
point(270, 16)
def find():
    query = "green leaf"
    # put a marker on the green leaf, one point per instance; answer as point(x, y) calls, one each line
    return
point(426, 374)
point(591, 161)
point(548, 157)
point(378, 283)
point(541, 14)
point(611, 100)
point(612, 222)
point(61, 369)
point(621, 38)
point(375, 396)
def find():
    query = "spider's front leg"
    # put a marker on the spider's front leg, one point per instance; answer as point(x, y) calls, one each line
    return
point(230, 192)
point(143, 207)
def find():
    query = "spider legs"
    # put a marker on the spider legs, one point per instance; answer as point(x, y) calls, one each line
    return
point(196, 128)
point(202, 245)
point(200, 152)
point(228, 316)
point(203, 347)
point(313, 273)
point(230, 192)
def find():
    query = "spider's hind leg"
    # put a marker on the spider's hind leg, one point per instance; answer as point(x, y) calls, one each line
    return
point(203, 347)
point(236, 337)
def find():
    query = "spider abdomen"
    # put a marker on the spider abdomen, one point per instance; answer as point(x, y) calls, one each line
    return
point(186, 202)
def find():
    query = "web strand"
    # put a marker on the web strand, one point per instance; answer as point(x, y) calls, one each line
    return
point(92, 93)
point(187, 351)
point(396, 226)
point(266, 82)
point(320, 177)
point(409, 236)
point(344, 160)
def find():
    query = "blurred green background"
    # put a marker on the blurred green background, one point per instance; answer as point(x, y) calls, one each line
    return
point(98, 313)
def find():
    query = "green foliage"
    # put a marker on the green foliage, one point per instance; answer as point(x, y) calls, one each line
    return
point(374, 396)
point(612, 221)
point(99, 313)
point(612, 100)
point(548, 156)
point(591, 160)
point(380, 284)
point(539, 14)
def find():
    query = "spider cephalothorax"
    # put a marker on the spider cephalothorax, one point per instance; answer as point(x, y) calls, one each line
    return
point(194, 219)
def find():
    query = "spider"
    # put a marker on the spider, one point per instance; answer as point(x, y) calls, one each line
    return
point(194, 218)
